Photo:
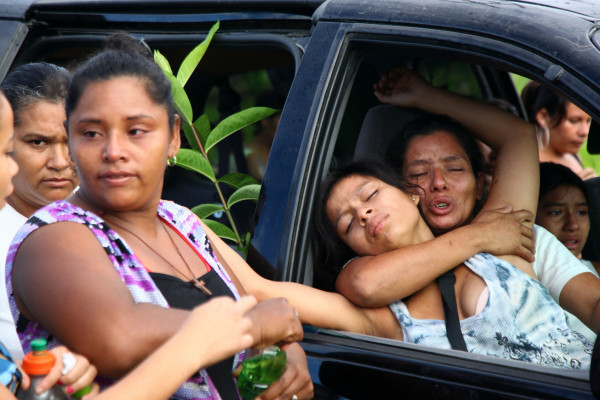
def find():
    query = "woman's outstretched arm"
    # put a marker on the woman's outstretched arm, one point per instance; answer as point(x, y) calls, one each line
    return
point(315, 307)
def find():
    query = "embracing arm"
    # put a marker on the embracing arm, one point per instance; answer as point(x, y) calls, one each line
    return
point(315, 307)
point(72, 289)
point(375, 281)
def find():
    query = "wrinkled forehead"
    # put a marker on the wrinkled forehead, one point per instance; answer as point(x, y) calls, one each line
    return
point(440, 146)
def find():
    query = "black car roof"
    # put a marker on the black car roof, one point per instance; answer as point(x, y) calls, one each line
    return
point(18, 9)
point(400, 10)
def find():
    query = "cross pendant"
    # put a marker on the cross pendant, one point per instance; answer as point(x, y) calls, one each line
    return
point(201, 285)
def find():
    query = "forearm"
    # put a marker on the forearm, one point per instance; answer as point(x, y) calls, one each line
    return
point(317, 307)
point(119, 344)
point(170, 365)
point(376, 281)
point(489, 123)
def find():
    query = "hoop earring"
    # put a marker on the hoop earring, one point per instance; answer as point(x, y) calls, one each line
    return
point(172, 161)
point(543, 136)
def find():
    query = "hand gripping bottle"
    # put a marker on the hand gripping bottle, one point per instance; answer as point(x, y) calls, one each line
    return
point(259, 371)
point(37, 364)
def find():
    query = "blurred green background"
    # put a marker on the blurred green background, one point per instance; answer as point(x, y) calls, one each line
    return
point(589, 160)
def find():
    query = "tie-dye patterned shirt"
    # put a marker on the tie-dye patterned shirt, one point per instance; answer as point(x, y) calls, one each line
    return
point(129, 267)
point(520, 321)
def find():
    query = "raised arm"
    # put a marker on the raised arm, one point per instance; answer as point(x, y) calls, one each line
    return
point(373, 281)
point(516, 174)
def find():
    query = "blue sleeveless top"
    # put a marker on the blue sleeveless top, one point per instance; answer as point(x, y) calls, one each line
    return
point(520, 321)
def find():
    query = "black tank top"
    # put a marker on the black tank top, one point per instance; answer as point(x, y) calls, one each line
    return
point(184, 295)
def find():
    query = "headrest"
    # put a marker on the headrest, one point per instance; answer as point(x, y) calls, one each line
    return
point(381, 125)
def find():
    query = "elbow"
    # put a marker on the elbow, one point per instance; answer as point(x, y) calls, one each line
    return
point(361, 291)
point(118, 351)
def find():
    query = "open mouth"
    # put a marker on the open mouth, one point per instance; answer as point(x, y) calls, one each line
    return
point(441, 206)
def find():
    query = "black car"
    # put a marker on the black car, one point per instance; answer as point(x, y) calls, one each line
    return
point(325, 57)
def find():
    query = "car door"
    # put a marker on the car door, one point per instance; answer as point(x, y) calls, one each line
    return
point(320, 125)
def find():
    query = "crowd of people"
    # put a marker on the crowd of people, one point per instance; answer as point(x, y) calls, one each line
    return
point(150, 294)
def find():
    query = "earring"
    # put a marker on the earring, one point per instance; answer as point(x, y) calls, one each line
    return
point(543, 136)
point(172, 161)
point(414, 199)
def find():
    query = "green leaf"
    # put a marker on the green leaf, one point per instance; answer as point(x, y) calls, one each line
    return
point(249, 192)
point(206, 210)
point(221, 230)
point(195, 161)
point(202, 126)
point(162, 62)
point(235, 122)
point(182, 102)
point(187, 129)
point(238, 180)
point(191, 61)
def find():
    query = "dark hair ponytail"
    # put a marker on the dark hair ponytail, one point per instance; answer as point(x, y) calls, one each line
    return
point(536, 96)
point(123, 56)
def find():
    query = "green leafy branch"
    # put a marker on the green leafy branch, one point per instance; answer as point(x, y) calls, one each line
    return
point(202, 139)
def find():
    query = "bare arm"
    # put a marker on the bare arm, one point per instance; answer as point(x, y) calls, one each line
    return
point(224, 329)
point(315, 307)
point(375, 281)
point(581, 297)
point(83, 292)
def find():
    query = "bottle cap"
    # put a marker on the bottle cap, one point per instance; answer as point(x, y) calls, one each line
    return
point(39, 361)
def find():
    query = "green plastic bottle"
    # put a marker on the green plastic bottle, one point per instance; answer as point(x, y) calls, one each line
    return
point(260, 370)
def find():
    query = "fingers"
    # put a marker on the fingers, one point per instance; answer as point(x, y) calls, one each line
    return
point(82, 376)
point(245, 304)
point(79, 372)
point(275, 321)
point(95, 390)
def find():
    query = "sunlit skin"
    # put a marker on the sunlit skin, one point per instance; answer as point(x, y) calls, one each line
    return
point(572, 132)
point(40, 149)
point(566, 138)
point(373, 217)
point(438, 164)
point(564, 212)
point(8, 166)
point(119, 141)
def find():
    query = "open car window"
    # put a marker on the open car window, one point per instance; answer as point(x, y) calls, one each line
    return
point(479, 69)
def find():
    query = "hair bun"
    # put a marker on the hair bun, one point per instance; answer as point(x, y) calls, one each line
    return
point(128, 44)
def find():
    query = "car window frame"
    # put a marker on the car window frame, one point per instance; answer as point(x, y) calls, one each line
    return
point(328, 117)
